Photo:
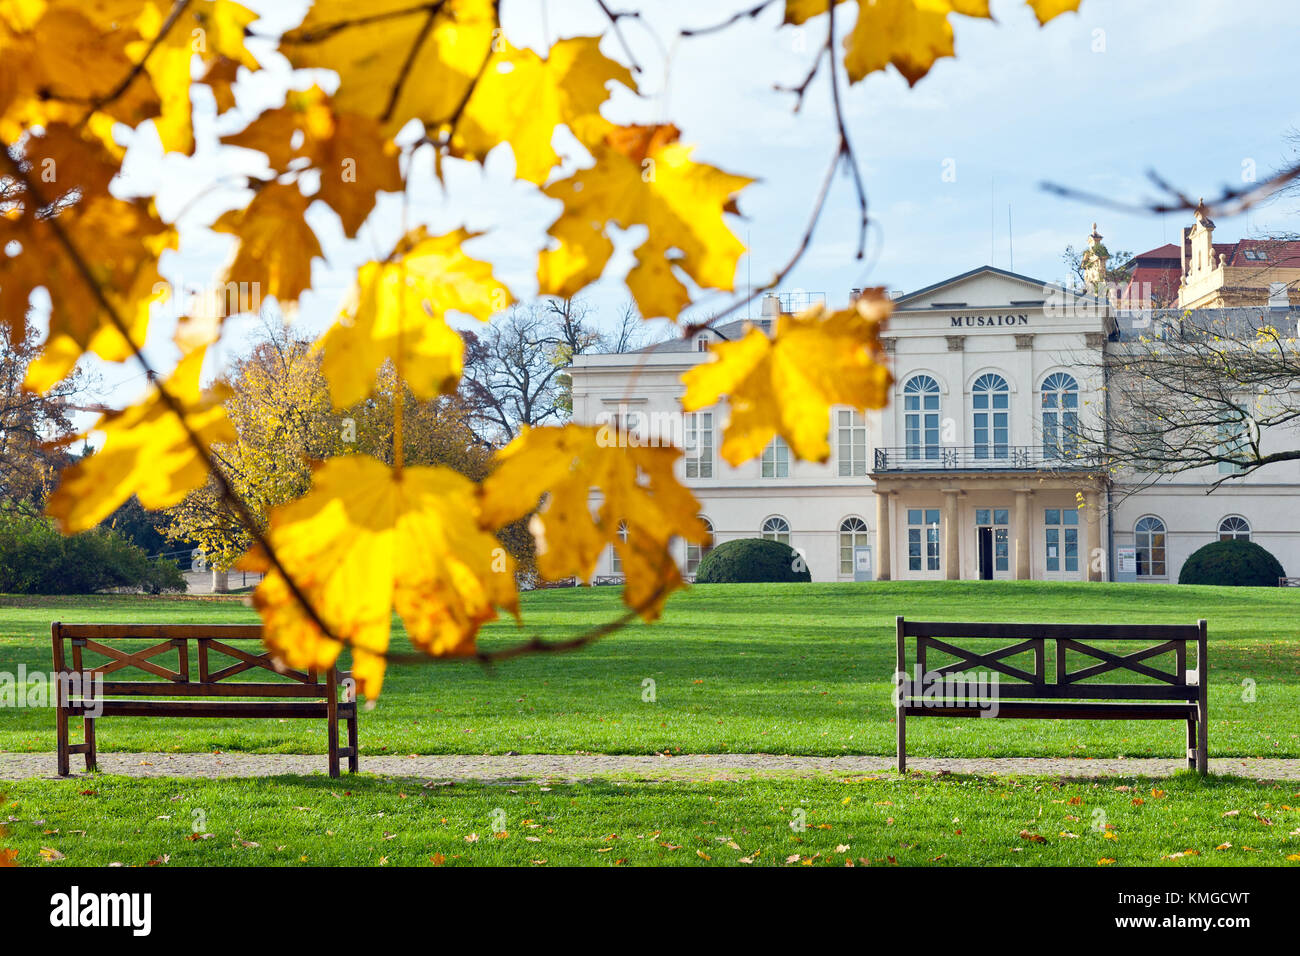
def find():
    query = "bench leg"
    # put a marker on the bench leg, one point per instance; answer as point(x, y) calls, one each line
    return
point(92, 758)
point(1191, 745)
point(354, 757)
point(902, 742)
point(61, 732)
point(1203, 745)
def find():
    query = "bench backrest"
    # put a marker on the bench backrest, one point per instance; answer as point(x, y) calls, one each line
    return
point(992, 667)
point(206, 657)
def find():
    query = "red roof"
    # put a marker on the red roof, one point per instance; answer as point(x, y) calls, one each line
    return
point(1157, 273)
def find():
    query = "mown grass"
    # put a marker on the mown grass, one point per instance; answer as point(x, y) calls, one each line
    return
point(365, 821)
point(799, 669)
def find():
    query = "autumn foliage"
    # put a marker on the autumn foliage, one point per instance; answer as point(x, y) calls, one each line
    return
point(417, 81)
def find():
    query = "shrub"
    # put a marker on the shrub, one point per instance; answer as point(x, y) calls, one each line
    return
point(751, 561)
point(36, 559)
point(1234, 563)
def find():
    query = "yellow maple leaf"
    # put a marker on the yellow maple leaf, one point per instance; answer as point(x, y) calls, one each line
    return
point(522, 98)
point(355, 158)
point(786, 385)
point(276, 246)
point(120, 242)
point(642, 506)
point(57, 59)
point(1045, 10)
point(146, 452)
point(397, 314)
point(909, 34)
point(396, 59)
point(644, 176)
point(367, 540)
point(220, 78)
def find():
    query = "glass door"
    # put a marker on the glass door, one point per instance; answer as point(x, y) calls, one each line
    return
point(1061, 544)
point(993, 544)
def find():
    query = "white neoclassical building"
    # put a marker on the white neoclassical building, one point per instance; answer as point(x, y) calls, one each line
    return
point(969, 472)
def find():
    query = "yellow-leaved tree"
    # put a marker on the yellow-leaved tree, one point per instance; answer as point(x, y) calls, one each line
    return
point(353, 534)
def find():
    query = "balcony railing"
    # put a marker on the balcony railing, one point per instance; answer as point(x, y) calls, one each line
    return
point(984, 458)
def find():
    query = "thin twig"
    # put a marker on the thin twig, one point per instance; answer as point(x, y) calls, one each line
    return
point(752, 13)
point(614, 19)
point(843, 153)
point(1231, 202)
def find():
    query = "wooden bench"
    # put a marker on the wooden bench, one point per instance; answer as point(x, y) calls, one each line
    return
point(218, 658)
point(1178, 694)
point(1288, 582)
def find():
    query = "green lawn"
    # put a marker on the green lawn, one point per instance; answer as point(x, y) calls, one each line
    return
point(799, 669)
point(365, 821)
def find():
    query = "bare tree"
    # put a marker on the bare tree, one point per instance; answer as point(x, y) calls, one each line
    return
point(34, 428)
point(1211, 388)
point(516, 373)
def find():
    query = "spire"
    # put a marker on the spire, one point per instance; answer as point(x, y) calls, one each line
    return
point(1094, 263)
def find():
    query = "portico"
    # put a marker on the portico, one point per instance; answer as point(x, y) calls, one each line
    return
point(973, 525)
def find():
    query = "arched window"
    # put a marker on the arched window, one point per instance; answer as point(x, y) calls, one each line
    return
point(1060, 415)
point(921, 417)
point(991, 401)
point(1149, 537)
point(777, 528)
point(853, 535)
point(695, 552)
point(1234, 528)
point(615, 559)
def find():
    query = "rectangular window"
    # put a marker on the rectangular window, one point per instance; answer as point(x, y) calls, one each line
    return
point(1001, 550)
point(1232, 444)
point(1061, 538)
point(923, 539)
point(776, 459)
point(921, 425)
point(851, 428)
point(698, 428)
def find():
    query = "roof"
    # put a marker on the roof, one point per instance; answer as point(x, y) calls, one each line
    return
point(902, 301)
point(1160, 270)
point(727, 330)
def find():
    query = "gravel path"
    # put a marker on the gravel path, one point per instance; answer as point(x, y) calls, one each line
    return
point(16, 766)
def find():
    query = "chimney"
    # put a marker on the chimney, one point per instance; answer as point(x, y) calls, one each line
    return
point(771, 306)
point(1184, 249)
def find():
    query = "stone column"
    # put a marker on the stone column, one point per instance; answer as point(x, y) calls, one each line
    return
point(1092, 534)
point(883, 547)
point(220, 581)
point(1022, 535)
point(951, 537)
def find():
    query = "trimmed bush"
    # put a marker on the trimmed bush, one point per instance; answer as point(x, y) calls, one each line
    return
point(752, 561)
point(1234, 563)
point(36, 559)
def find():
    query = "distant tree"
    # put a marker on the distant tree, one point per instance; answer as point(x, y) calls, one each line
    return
point(516, 372)
point(35, 429)
point(285, 419)
point(1199, 389)
point(1119, 267)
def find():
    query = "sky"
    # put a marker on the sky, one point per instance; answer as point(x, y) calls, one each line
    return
point(1201, 91)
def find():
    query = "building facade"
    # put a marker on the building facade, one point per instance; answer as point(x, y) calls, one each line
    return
point(973, 470)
